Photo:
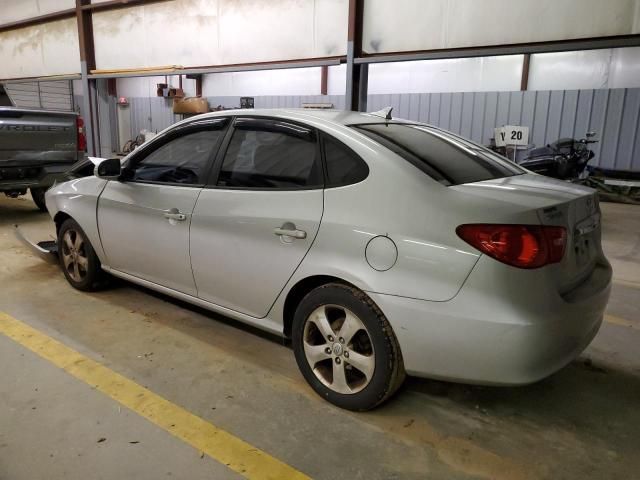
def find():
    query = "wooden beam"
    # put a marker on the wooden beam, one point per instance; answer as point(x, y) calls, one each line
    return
point(238, 67)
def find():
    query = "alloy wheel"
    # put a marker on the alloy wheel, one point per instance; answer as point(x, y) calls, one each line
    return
point(74, 255)
point(339, 349)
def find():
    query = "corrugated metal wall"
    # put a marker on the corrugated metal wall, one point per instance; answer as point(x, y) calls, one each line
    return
point(614, 114)
point(53, 95)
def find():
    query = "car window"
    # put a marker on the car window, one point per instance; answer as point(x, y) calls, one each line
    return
point(279, 157)
point(344, 166)
point(444, 157)
point(182, 160)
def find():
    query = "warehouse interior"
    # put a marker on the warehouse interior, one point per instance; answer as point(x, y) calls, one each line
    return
point(134, 382)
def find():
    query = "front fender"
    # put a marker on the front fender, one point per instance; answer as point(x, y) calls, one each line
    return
point(79, 200)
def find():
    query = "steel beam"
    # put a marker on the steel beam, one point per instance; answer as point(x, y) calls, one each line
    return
point(87, 63)
point(29, 22)
point(526, 63)
point(324, 77)
point(71, 12)
point(356, 87)
point(619, 41)
point(115, 4)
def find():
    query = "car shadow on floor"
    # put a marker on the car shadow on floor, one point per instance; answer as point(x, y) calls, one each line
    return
point(588, 398)
point(19, 211)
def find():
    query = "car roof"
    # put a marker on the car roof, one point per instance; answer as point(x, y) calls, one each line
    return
point(327, 116)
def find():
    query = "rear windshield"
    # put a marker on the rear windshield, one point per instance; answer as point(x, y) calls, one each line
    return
point(447, 158)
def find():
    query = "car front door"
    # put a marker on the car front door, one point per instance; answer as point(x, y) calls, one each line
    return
point(251, 229)
point(144, 218)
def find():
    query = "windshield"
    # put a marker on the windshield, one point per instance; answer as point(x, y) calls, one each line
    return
point(447, 158)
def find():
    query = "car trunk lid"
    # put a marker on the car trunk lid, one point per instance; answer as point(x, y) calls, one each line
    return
point(555, 203)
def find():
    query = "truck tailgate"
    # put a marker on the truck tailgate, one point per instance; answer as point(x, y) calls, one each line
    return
point(37, 137)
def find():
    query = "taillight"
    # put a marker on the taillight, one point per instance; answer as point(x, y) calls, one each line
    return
point(522, 246)
point(82, 138)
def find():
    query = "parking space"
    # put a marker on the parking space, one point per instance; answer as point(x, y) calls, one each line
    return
point(581, 422)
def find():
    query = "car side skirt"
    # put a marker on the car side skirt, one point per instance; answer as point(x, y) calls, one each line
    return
point(264, 324)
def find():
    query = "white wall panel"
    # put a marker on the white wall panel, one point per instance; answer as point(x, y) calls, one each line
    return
point(625, 68)
point(592, 69)
point(569, 70)
point(453, 75)
point(295, 81)
point(423, 25)
point(330, 27)
point(47, 49)
point(337, 80)
point(13, 10)
point(214, 32)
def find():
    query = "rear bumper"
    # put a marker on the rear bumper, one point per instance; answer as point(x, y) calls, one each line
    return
point(22, 178)
point(514, 335)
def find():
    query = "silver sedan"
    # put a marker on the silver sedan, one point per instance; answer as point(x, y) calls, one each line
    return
point(379, 247)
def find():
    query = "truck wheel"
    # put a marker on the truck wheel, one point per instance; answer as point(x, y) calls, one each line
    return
point(346, 348)
point(38, 198)
point(79, 262)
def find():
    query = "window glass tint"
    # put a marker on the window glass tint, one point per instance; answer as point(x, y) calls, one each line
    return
point(344, 166)
point(270, 159)
point(447, 158)
point(182, 160)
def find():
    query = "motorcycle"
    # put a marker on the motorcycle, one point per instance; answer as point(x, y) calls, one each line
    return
point(566, 158)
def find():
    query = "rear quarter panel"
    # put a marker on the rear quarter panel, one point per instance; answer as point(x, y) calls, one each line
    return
point(418, 214)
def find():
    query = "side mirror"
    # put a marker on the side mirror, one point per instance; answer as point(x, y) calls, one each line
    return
point(109, 169)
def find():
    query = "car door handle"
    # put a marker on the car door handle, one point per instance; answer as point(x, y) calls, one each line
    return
point(290, 230)
point(174, 214)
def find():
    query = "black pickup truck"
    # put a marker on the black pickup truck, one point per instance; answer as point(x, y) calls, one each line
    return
point(36, 148)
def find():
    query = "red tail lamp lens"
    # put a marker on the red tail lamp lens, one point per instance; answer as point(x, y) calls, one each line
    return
point(522, 246)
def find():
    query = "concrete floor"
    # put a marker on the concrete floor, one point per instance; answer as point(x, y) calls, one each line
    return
point(583, 422)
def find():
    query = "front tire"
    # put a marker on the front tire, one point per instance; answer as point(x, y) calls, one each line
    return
point(37, 194)
point(346, 348)
point(78, 260)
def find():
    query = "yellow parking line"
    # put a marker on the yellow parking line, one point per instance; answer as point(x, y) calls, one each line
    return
point(220, 445)
point(620, 321)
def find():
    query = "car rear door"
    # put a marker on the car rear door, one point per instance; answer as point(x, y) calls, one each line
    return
point(253, 226)
point(144, 219)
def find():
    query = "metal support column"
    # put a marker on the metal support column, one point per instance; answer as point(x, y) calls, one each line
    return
point(526, 63)
point(87, 108)
point(357, 77)
point(87, 63)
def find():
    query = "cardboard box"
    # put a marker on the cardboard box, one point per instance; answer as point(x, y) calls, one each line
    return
point(190, 105)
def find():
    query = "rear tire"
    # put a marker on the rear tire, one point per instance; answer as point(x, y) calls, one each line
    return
point(37, 194)
point(79, 262)
point(346, 348)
